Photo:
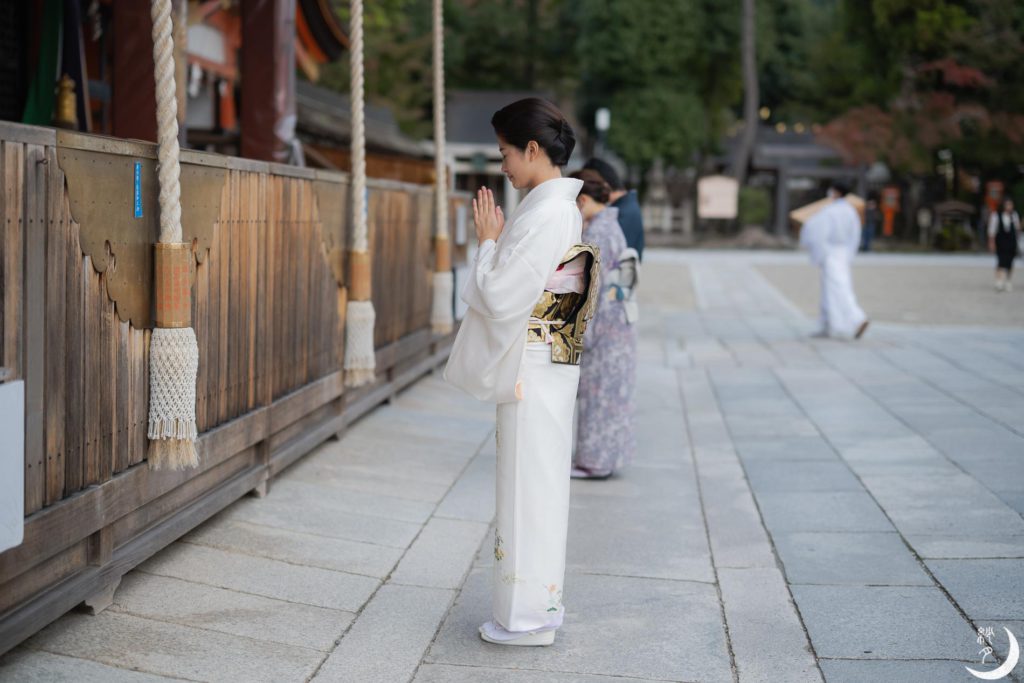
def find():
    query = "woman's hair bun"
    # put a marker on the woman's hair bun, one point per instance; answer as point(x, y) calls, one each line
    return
point(539, 120)
point(594, 186)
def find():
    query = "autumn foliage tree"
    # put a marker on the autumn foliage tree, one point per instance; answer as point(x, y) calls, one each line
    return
point(938, 74)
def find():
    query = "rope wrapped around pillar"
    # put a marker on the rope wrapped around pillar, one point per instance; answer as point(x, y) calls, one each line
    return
point(441, 318)
point(360, 361)
point(173, 350)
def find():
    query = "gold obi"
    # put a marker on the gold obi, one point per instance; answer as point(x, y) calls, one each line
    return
point(561, 319)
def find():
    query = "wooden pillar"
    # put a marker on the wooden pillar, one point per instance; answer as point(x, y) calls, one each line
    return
point(133, 111)
point(268, 79)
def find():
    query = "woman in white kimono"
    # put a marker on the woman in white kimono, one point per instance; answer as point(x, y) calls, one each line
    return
point(530, 293)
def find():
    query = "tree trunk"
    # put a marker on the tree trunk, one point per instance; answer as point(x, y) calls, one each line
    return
point(751, 96)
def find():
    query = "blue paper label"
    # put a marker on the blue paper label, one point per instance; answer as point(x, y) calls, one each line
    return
point(138, 189)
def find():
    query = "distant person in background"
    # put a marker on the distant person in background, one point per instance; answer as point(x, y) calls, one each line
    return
point(605, 438)
point(1003, 239)
point(872, 221)
point(625, 201)
point(832, 237)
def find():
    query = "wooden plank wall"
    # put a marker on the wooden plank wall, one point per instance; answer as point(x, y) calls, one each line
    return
point(84, 369)
point(265, 311)
point(401, 223)
point(264, 282)
point(268, 316)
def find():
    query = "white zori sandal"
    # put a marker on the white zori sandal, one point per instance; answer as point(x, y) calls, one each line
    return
point(495, 633)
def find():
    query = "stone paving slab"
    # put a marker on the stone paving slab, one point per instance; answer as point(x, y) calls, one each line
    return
point(216, 609)
point(320, 517)
point(447, 673)
point(133, 643)
point(324, 552)
point(841, 511)
point(985, 589)
point(617, 527)
point(869, 558)
point(801, 477)
point(948, 546)
point(293, 492)
point(472, 496)
point(375, 482)
point(767, 637)
point(393, 454)
point(883, 622)
point(795, 448)
point(738, 538)
point(260, 576)
point(919, 671)
point(642, 628)
point(390, 636)
point(441, 555)
point(36, 666)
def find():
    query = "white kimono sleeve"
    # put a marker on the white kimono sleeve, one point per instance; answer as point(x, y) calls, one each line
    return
point(503, 287)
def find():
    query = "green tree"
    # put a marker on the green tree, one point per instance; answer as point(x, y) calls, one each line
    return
point(397, 60)
point(510, 45)
point(668, 72)
point(924, 75)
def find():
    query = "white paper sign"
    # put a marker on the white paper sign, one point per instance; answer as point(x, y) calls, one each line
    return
point(717, 196)
point(12, 463)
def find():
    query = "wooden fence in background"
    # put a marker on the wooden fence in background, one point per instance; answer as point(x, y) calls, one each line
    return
point(268, 311)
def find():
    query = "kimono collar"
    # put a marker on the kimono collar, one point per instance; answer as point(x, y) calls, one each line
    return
point(609, 213)
point(557, 188)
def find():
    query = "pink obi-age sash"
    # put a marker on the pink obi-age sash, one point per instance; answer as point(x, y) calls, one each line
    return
point(570, 277)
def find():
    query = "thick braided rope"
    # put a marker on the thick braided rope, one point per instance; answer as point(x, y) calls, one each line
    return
point(360, 241)
point(440, 167)
point(173, 352)
point(360, 317)
point(167, 122)
point(441, 318)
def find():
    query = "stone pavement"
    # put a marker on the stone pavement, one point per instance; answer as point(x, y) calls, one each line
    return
point(801, 510)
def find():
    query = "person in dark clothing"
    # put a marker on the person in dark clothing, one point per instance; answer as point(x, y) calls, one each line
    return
point(1003, 239)
point(630, 218)
point(872, 222)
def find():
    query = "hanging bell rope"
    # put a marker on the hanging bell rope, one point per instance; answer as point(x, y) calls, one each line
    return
point(441, 319)
point(360, 361)
point(173, 351)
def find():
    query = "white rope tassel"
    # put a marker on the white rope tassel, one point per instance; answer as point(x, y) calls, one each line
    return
point(173, 364)
point(442, 317)
point(173, 352)
point(441, 313)
point(360, 363)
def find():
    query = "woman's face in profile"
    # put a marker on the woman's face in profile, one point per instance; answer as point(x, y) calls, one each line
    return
point(514, 164)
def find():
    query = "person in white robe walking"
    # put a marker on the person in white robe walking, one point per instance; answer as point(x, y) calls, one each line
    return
point(832, 237)
point(513, 349)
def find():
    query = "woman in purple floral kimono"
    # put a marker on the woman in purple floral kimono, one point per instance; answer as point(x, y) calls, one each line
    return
point(605, 433)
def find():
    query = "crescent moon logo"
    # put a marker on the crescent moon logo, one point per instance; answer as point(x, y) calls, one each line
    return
point(1007, 666)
